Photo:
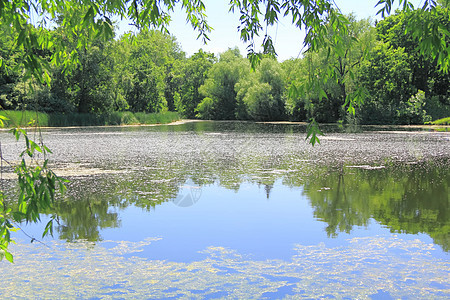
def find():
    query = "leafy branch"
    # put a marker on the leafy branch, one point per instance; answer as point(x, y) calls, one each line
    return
point(312, 132)
point(38, 186)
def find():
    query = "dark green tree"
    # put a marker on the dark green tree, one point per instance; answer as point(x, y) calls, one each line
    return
point(150, 60)
point(8, 75)
point(192, 74)
point(260, 94)
point(88, 86)
point(425, 73)
point(388, 79)
point(219, 87)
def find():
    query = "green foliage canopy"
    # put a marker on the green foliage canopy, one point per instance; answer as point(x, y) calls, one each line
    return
point(219, 87)
point(255, 15)
point(260, 94)
point(190, 76)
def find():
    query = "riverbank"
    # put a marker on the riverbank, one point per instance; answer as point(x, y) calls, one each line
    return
point(50, 120)
point(438, 126)
point(30, 118)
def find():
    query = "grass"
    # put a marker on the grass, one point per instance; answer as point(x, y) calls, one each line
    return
point(30, 118)
point(443, 121)
point(24, 118)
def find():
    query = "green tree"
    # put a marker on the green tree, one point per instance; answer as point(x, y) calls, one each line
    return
point(16, 90)
point(8, 75)
point(119, 52)
point(260, 94)
point(344, 61)
point(397, 72)
point(89, 84)
point(220, 84)
point(191, 76)
point(294, 71)
point(323, 82)
point(149, 61)
point(425, 73)
point(413, 111)
point(388, 79)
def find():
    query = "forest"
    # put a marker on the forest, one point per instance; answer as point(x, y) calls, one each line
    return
point(148, 72)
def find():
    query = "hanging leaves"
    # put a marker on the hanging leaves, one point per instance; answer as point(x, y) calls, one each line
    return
point(38, 185)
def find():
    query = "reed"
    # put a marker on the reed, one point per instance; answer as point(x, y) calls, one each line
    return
point(31, 118)
point(443, 121)
point(16, 118)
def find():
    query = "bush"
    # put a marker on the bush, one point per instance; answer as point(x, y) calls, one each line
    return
point(413, 112)
point(260, 102)
point(205, 109)
point(443, 121)
point(436, 108)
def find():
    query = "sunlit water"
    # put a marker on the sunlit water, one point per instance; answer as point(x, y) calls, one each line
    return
point(214, 210)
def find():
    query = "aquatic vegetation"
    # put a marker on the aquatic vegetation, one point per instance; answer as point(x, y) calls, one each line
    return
point(362, 215)
point(363, 268)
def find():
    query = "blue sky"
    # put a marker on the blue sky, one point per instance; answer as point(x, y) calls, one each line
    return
point(288, 39)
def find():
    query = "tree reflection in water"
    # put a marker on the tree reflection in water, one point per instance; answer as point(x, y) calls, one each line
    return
point(406, 198)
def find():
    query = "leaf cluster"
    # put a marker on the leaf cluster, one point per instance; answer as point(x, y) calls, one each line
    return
point(38, 185)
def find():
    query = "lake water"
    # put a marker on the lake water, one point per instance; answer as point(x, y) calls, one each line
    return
point(233, 210)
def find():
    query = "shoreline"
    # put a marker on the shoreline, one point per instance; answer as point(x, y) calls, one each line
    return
point(186, 121)
point(179, 122)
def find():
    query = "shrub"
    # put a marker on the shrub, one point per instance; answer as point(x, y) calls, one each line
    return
point(205, 109)
point(443, 121)
point(412, 111)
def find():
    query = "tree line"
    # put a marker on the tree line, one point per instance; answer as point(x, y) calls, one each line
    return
point(378, 64)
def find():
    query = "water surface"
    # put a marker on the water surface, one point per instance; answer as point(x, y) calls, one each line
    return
point(241, 210)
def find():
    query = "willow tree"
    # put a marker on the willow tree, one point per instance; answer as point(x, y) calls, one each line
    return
point(31, 19)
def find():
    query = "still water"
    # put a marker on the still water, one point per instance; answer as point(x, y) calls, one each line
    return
point(233, 210)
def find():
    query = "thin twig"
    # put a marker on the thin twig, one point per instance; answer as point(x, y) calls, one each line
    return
point(32, 238)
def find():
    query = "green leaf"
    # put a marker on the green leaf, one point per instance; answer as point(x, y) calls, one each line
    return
point(21, 37)
point(48, 229)
point(89, 15)
point(293, 91)
point(8, 256)
point(47, 149)
point(322, 95)
point(313, 131)
point(33, 146)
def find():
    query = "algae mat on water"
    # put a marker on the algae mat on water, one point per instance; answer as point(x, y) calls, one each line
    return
point(368, 268)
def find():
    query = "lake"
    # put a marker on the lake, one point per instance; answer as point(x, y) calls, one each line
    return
point(236, 210)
